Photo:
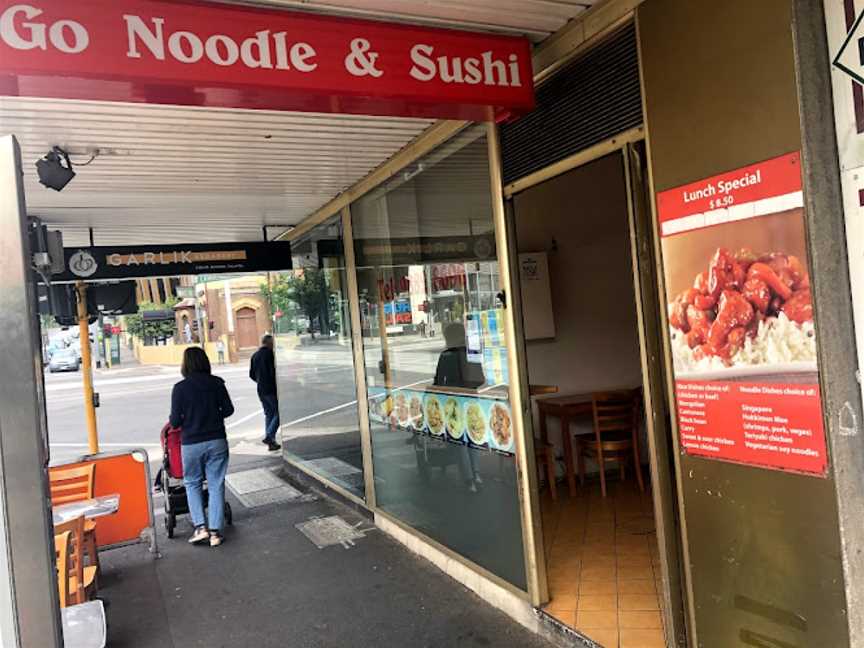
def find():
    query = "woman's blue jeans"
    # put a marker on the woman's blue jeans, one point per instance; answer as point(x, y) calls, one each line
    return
point(208, 459)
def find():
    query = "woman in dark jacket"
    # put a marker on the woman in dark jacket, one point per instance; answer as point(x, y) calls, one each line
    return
point(199, 406)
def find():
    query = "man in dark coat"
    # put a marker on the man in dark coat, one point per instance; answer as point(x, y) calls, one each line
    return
point(262, 369)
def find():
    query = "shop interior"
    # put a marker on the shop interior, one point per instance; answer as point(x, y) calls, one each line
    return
point(582, 343)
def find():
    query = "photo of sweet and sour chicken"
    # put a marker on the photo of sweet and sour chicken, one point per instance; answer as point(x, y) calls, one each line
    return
point(738, 291)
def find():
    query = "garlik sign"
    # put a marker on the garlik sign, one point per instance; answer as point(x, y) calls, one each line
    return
point(208, 54)
point(138, 261)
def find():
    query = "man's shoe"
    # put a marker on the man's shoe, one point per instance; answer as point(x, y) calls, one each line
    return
point(215, 539)
point(199, 535)
point(273, 446)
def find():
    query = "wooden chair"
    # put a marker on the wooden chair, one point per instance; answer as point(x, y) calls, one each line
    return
point(74, 485)
point(62, 545)
point(81, 580)
point(616, 435)
point(544, 454)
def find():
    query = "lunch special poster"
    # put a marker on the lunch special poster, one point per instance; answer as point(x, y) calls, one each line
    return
point(743, 338)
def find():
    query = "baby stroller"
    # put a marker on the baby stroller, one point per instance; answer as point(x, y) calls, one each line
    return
point(170, 479)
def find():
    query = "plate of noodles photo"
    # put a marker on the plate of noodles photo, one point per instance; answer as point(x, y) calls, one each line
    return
point(476, 422)
point(501, 426)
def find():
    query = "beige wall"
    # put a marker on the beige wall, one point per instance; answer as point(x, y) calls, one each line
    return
point(245, 293)
point(596, 345)
point(169, 354)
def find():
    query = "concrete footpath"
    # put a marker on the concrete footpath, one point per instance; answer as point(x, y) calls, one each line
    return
point(269, 585)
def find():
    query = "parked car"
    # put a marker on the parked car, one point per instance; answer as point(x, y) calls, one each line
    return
point(64, 360)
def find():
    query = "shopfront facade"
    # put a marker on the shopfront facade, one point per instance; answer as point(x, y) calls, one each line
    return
point(672, 152)
point(434, 239)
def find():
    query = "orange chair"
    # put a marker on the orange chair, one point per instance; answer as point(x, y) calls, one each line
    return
point(62, 545)
point(74, 485)
point(616, 435)
point(81, 579)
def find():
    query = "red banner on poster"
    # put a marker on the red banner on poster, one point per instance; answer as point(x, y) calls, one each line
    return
point(741, 322)
point(773, 425)
point(755, 190)
point(211, 54)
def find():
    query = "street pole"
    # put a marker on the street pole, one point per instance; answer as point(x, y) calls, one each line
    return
point(382, 332)
point(100, 338)
point(87, 368)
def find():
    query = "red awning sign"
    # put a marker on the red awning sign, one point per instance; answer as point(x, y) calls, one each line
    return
point(199, 53)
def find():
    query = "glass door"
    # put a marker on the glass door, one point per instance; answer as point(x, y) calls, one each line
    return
point(435, 356)
point(315, 361)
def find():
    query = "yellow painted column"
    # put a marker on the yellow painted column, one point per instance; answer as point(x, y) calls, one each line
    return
point(87, 368)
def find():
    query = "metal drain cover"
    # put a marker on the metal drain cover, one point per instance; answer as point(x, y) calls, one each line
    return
point(273, 496)
point(260, 486)
point(329, 531)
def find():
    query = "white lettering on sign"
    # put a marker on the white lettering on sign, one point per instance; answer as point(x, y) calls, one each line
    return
point(456, 70)
point(149, 258)
point(135, 27)
point(67, 36)
point(187, 47)
point(255, 52)
point(153, 37)
point(300, 55)
point(723, 187)
point(215, 52)
point(79, 41)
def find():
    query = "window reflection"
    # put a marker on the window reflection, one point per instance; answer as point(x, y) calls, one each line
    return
point(442, 438)
point(314, 360)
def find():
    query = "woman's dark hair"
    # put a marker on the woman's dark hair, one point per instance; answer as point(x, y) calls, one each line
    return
point(195, 361)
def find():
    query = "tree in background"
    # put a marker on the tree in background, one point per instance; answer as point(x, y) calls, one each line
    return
point(305, 290)
point(150, 331)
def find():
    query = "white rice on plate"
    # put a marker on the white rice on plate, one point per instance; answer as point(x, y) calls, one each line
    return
point(778, 340)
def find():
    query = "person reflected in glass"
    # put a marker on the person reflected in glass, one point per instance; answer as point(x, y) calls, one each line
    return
point(456, 370)
point(199, 406)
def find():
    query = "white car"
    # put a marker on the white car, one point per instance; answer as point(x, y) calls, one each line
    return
point(64, 360)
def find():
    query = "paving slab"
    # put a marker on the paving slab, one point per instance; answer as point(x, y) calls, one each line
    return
point(269, 586)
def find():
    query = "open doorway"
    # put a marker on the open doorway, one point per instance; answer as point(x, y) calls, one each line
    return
point(586, 343)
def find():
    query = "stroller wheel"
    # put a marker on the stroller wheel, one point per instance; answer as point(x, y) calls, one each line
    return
point(170, 523)
point(229, 515)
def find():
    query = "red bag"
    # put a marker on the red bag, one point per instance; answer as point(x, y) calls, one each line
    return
point(172, 452)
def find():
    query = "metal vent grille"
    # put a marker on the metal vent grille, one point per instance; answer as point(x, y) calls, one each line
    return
point(593, 98)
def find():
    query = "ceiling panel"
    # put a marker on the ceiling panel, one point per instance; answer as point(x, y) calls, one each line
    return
point(171, 174)
point(535, 19)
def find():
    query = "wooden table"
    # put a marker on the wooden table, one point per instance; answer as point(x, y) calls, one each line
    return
point(564, 408)
point(542, 390)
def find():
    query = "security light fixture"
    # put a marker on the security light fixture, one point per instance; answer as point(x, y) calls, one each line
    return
point(52, 173)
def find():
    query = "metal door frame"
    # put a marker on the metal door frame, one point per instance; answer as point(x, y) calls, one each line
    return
point(656, 368)
point(33, 614)
point(839, 373)
point(653, 361)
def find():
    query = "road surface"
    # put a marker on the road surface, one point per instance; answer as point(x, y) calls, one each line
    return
point(316, 384)
point(135, 403)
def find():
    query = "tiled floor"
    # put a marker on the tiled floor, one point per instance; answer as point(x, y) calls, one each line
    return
point(602, 564)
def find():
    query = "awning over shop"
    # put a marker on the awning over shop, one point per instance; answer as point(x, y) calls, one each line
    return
point(182, 173)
